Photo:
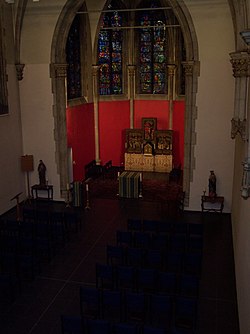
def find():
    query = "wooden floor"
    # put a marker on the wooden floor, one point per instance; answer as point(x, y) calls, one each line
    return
point(55, 290)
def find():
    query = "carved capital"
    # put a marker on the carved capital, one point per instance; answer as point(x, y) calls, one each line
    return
point(59, 70)
point(19, 71)
point(131, 70)
point(95, 70)
point(240, 63)
point(239, 126)
point(171, 69)
point(188, 68)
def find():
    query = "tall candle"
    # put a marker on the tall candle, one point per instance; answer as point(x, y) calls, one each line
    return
point(67, 186)
point(141, 177)
point(87, 187)
point(118, 174)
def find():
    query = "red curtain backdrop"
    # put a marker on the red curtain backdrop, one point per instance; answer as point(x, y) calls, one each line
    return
point(113, 120)
point(81, 137)
point(155, 109)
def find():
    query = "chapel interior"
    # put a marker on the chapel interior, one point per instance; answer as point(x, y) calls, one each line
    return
point(124, 119)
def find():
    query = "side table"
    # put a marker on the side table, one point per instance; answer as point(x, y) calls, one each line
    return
point(212, 204)
point(37, 188)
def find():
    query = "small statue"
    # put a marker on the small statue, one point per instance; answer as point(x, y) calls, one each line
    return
point(212, 184)
point(42, 173)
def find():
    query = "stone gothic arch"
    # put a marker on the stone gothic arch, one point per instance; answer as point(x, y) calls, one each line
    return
point(58, 76)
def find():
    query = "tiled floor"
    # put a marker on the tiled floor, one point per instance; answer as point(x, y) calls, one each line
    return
point(55, 290)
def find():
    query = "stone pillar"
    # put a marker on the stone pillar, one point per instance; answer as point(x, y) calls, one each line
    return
point(58, 75)
point(191, 69)
point(240, 63)
point(95, 82)
point(131, 92)
point(171, 77)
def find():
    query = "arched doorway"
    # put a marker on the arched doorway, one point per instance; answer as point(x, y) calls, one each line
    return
point(59, 71)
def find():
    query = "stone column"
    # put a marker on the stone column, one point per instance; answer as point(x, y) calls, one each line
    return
point(95, 82)
point(171, 76)
point(58, 75)
point(191, 69)
point(131, 92)
point(240, 63)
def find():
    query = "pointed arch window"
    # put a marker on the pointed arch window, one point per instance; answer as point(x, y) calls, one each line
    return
point(73, 57)
point(110, 50)
point(152, 53)
point(159, 43)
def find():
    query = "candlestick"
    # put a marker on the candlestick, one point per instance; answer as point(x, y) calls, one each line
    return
point(68, 199)
point(87, 207)
point(140, 186)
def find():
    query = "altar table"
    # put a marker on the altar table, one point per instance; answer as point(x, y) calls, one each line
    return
point(129, 184)
point(148, 163)
point(38, 189)
point(215, 204)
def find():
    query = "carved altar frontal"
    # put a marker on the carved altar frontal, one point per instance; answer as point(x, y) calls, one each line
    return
point(155, 163)
point(149, 149)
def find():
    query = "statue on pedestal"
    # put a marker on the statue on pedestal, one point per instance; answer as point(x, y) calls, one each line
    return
point(42, 173)
point(212, 184)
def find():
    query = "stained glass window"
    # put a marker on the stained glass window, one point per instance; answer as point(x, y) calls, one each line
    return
point(110, 54)
point(182, 57)
point(73, 56)
point(153, 53)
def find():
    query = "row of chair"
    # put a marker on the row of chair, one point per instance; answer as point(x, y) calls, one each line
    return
point(174, 242)
point(149, 285)
point(41, 240)
point(78, 325)
point(26, 244)
point(43, 222)
point(157, 310)
point(69, 218)
point(165, 226)
point(94, 171)
point(171, 261)
point(146, 280)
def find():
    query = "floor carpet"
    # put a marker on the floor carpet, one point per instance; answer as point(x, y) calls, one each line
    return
point(152, 189)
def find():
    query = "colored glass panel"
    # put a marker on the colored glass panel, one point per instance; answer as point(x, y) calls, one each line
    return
point(73, 56)
point(145, 67)
point(152, 48)
point(110, 55)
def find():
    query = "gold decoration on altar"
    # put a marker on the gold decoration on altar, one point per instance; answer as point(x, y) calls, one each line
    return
point(149, 149)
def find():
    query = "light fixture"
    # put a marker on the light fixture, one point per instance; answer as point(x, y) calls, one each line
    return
point(245, 34)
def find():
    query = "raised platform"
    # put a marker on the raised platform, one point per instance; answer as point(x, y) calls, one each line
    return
point(155, 187)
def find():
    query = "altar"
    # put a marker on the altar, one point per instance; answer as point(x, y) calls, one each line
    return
point(129, 184)
point(154, 163)
point(148, 149)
